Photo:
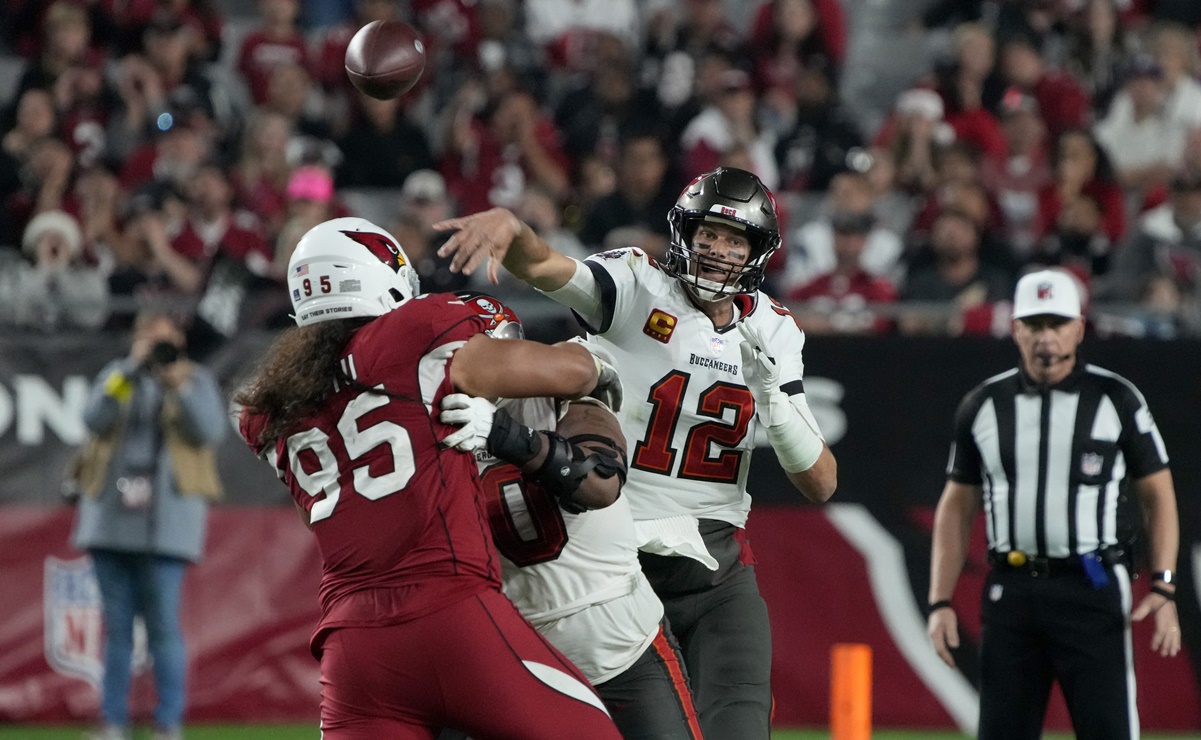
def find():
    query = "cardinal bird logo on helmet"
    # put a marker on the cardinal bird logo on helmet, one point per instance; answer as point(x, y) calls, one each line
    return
point(381, 246)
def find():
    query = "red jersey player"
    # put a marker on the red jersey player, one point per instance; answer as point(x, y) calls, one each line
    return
point(415, 634)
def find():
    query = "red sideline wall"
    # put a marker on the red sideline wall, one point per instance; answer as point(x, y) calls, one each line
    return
point(852, 572)
point(249, 607)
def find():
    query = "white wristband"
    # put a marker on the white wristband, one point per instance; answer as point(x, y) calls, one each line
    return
point(794, 434)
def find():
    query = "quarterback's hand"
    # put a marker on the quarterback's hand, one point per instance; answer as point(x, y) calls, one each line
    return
point(759, 369)
point(474, 415)
point(479, 237)
point(608, 382)
point(943, 628)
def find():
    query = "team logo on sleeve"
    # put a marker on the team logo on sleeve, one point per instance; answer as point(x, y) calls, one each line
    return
point(659, 325)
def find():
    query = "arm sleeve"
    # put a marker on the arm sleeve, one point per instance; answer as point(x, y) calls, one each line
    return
point(601, 297)
point(964, 464)
point(582, 295)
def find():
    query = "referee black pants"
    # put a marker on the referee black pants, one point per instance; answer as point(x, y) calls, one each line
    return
point(1039, 629)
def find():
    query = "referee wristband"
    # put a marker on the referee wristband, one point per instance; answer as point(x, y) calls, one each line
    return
point(1169, 595)
point(944, 604)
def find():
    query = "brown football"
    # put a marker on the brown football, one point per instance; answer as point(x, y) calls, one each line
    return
point(385, 59)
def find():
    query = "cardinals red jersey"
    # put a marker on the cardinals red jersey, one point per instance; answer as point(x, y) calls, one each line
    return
point(397, 517)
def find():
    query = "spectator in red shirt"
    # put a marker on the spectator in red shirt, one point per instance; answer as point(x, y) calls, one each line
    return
point(86, 103)
point(1063, 102)
point(1016, 180)
point(727, 125)
point(278, 40)
point(827, 25)
point(1081, 167)
point(180, 143)
point(213, 228)
point(261, 173)
point(330, 64)
point(970, 87)
point(838, 301)
point(490, 162)
point(787, 37)
point(67, 33)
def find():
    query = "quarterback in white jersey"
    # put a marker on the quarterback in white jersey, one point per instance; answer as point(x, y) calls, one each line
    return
point(691, 431)
point(692, 400)
point(574, 573)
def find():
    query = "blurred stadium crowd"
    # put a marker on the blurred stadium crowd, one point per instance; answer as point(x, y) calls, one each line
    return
point(175, 150)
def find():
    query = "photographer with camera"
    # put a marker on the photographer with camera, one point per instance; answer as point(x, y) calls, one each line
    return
point(146, 477)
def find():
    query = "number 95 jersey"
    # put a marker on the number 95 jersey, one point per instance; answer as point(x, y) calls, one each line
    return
point(397, 516)
point(688, 416)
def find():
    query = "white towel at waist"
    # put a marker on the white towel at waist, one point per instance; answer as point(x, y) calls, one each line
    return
point(674, 535)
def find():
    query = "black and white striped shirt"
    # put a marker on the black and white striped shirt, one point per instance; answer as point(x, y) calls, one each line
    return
point(1052, 460)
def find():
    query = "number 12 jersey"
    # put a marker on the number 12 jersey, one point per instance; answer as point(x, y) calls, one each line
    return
point(688, 416)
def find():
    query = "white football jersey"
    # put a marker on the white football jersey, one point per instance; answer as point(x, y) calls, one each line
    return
point(688, 417)
point(575, 577)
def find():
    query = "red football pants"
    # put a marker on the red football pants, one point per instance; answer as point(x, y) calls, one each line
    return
point(476, 666)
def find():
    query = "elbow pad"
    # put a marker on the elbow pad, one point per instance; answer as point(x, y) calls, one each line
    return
point(566, 466)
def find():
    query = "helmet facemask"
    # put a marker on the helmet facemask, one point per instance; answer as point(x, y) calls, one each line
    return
point(687, 263)
point(734, 198)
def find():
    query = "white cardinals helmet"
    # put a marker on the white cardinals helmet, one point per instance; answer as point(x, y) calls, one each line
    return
point(348, 267)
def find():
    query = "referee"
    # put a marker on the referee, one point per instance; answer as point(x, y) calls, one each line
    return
point(1048, 448)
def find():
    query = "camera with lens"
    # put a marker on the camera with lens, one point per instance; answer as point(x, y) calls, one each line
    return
point(162, 354)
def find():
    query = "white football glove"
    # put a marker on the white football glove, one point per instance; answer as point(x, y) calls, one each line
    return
point(760, 371)
point(608, 384)
point(474, 415)
point(791, 428)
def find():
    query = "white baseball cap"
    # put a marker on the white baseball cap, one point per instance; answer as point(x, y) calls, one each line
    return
point(1047, 292)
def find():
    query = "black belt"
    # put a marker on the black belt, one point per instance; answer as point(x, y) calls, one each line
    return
point(1039, 566)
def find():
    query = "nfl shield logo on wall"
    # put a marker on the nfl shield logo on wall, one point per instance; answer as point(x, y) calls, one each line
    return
point(74, 622)
point(1091, 464)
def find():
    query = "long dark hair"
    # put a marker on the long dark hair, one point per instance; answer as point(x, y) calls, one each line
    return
point(299, 373)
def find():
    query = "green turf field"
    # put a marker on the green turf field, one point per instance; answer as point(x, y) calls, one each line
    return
point(308, 732)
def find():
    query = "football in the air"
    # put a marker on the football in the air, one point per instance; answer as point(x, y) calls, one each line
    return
point(385, 59)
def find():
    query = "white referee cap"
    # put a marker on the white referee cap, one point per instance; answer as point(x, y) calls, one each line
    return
point(1047, 292)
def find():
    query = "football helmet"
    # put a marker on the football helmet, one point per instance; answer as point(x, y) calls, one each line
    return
point(727, 196)
point(346, 268)
point(502, 321)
